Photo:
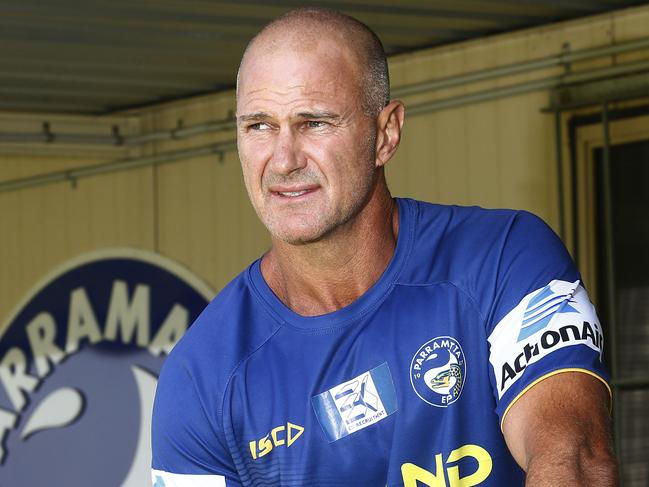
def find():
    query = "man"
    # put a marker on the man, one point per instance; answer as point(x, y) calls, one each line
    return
point(379, 341)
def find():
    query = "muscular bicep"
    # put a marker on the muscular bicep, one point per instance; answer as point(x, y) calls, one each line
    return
point(563, 422)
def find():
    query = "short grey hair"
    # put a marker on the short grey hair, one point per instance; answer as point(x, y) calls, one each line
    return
point(375, 85)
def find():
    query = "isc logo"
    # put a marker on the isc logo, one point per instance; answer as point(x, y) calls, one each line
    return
point(413, 476)
point(279, 436)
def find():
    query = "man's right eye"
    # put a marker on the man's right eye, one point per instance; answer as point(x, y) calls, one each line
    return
point(258, 126)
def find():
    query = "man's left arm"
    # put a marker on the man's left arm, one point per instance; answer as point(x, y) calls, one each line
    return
point(559, 432)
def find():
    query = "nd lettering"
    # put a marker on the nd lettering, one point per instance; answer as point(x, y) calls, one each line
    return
point(415, 476)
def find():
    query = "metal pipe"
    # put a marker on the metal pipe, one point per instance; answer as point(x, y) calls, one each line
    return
point(612, 89)
point(491, 73)
point(610, 266)
point(436, 84)
point(487, 95)
point(182, 132)
point(119, 165)
point(119, 140)
point(227, 124)
point(519, 68)
point(43, 138)
point(558, 141)
point(610, 71)
point(415, 110)
point(527, 87)
point(609, 237)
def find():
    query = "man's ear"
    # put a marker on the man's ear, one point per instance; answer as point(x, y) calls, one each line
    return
point(388, 131)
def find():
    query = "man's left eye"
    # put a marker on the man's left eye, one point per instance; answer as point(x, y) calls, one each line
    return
point(315, 124)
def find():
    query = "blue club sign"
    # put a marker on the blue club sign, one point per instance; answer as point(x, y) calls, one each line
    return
point(79, 361)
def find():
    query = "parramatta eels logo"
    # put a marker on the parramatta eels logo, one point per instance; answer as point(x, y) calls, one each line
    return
point(79, 361)
point(541, 308)
point(438, 371)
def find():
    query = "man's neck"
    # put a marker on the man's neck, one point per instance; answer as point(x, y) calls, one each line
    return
point(327, 275)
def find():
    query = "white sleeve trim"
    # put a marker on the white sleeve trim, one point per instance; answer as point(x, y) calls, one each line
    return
point(160, 478)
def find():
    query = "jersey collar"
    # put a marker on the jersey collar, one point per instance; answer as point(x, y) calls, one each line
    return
point(366, 303)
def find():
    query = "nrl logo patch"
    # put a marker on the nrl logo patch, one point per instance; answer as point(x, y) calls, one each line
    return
point(438, 371)
point(79, 361)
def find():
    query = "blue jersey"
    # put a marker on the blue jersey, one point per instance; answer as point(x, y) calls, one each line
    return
point(406, 386)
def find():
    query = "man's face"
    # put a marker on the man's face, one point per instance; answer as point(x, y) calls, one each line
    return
point(305, 143)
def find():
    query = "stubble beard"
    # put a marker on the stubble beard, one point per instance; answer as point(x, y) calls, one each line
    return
point(318, 223)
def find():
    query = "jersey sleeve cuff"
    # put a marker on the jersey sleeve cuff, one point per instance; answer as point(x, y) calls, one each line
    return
point(550, 374)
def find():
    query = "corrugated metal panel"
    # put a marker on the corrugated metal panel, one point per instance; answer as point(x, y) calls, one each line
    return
point(96, 57)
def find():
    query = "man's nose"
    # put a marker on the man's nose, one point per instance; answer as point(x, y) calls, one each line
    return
point(287, 153)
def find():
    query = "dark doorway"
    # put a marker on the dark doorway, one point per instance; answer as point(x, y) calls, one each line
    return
point(623, 297)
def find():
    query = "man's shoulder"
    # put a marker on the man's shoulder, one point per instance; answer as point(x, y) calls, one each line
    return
point(231, 327)
point(473, 248)
point(196, 374)
point(458, 232)
point(458, 215)
point(476, 229)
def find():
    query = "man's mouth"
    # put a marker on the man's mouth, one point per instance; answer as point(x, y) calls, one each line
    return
point(292, 194)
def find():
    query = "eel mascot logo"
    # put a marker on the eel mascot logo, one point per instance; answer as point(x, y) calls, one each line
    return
point(79, 361)
point(438, 371)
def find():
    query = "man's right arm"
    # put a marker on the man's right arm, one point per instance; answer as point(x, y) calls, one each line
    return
point(559, 432)
point(188, 448)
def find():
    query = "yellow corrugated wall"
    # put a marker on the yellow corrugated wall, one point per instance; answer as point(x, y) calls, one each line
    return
point(494, 154)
